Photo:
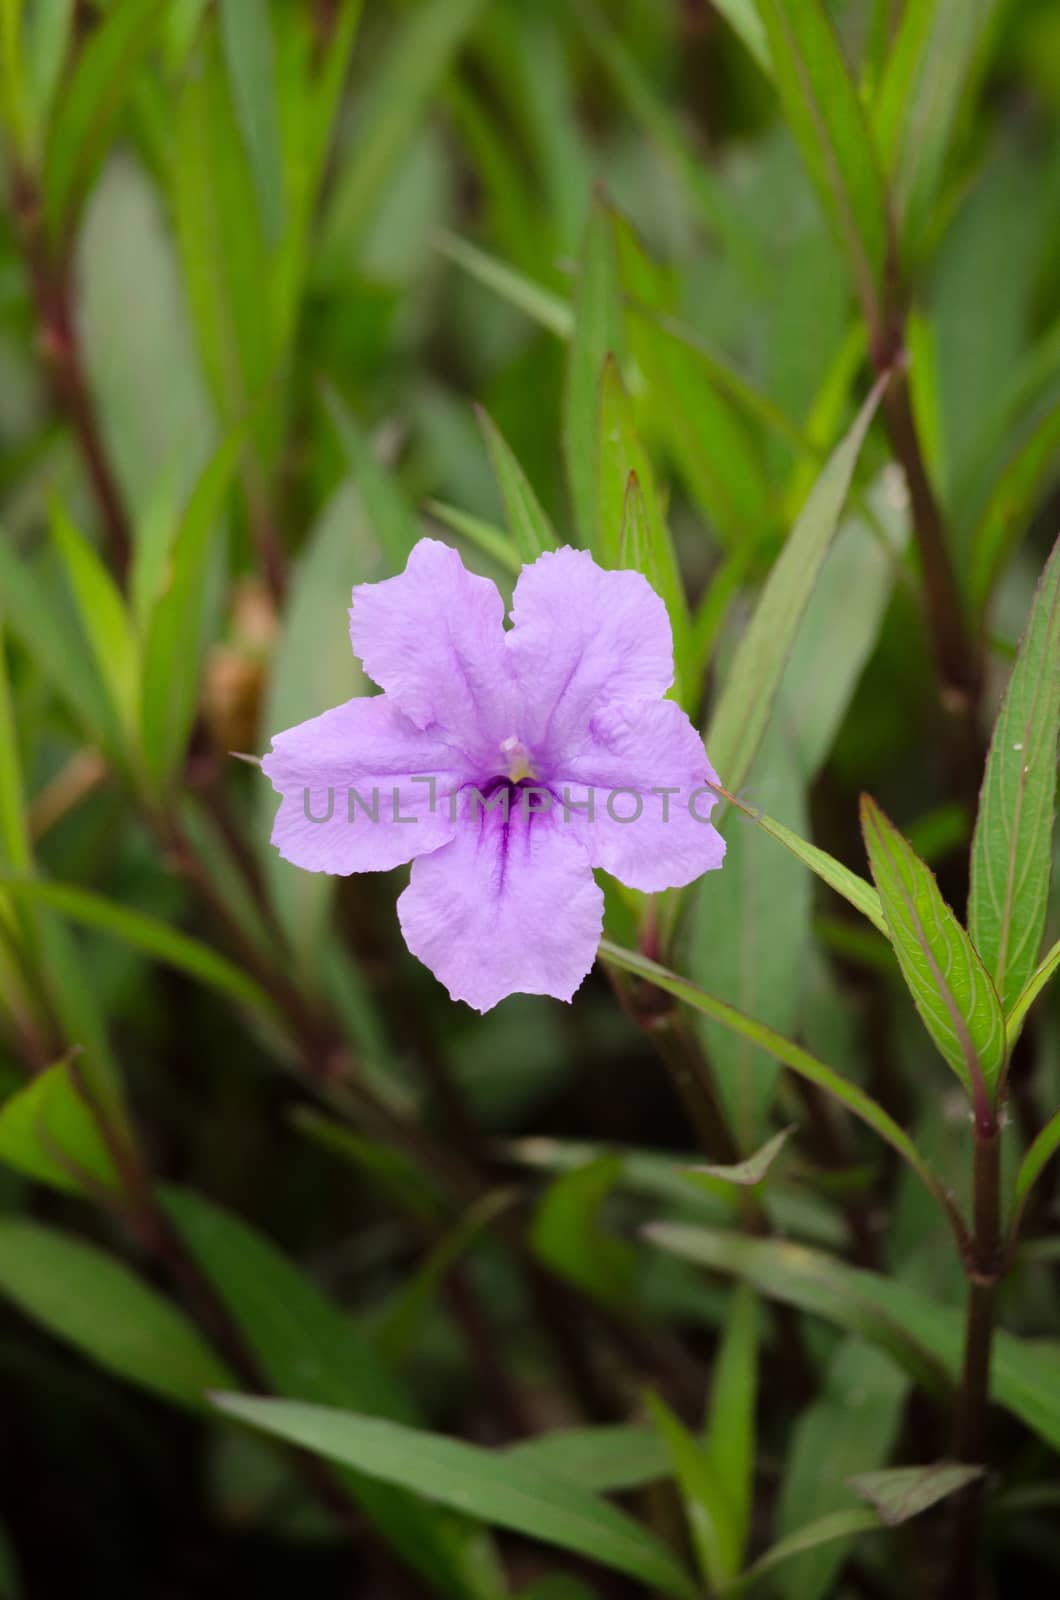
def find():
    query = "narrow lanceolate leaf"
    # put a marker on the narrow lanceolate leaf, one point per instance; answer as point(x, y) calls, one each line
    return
point(1012, 848)
point(392, 519)
point(706, 1496)
point(899, 1493)
point(853, 888)
point(1034, 1162)
point(632, 531)
point(144, 933)
point(597, 334)
point(48, 1131)
point(104, 619)
point(785, 1051)
point(926, 84)
point(307, 1348)
point(495, 1486)
point(852, 1424)
point(604, 1458)
point(923, 1336)
point(528, 524)
point(1035, 984)
point(177, 632)
point(419, 54)
point(246, 34)
point(836, 1525)
point(741, 715)
point(729, 1440)
point(1007, 513)
point(548, 310)
point(96, 1304)
point(87, 111)
point(950, 985)
point(821, 104)
point(754, 1169)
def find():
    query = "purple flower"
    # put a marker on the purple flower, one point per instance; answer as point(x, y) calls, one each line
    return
point(505, 764)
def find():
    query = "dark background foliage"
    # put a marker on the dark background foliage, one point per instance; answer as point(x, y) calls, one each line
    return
point(258, 261)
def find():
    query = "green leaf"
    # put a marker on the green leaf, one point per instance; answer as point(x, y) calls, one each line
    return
point(1035, 984)
point(1042, 1150)
point(631, 530)
point(104, 619)
point(861, 895)
point(568, 1235)
point(785, 1051)
point(821, 104)
point(179, 625)
point(841, 624)
point(308, 1349)
point(1012, 847)
point(924, 91)
point(741, 715)
point(645, 546)
point(903, 1492)
point(925, 1338)
point(148, 388)
point(312, 668)
point(765, 899)
point(706, 194)
point(49, 30)
point(96, 1304)
point(144, 933)
point(852, 1425)
point(701, 410)
point(490, 1484)
point(950, 986)
point(597, 334)
point(606, 1458)
point(753, 1170)
point(548, 310)
point(729, 1444)
point(89, 107)
point(418, 55)
point(389, 514)
point(706, 1498)
point(246, 34)
point(1008, 511)
point(745, 22)
point(48, 1132)
point(494, 542)
point(403, 1319)
point(16, 851)
point(527, 522)
point(844, 1525)
point(226, 268)
point(43, 630)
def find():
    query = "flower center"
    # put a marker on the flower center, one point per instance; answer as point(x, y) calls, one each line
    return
point(516, 759)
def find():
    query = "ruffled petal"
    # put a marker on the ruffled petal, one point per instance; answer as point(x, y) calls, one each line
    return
point(505, 908)
point(433, 638)
point(349, 800)
point(582, 638)
point(642, 767)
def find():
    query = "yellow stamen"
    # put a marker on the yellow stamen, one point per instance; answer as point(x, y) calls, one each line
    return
point(517, 759)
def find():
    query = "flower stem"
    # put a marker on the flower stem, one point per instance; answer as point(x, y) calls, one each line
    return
point(984, 1275)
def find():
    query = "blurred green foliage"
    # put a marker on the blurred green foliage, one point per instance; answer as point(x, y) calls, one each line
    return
point(285, 284)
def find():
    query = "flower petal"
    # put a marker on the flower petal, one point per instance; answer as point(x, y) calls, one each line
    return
point(369, 749)
point(631, 754)
point(505, 908)
point(581, 638)
point(433, 638)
